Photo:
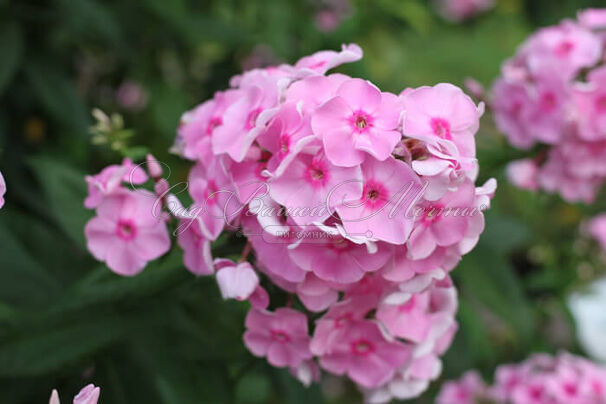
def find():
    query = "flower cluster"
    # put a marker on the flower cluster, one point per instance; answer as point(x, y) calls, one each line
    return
point(553, 93)
point(460, 10)
point(355, 202)
point(88, 395)
point(541, 379)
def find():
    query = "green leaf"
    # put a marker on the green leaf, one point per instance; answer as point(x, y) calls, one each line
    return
point(253, 388)
point(57, 93)
point(103, 286)
point(65, 189)
point(11, 49)
point(38, 351)
point(89, 18)
point(487, 277)
point(167, 106)
point(22, 280)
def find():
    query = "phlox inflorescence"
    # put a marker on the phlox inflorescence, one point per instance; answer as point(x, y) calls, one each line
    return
point(356, 203)
point(540, 379)
point(552, 93)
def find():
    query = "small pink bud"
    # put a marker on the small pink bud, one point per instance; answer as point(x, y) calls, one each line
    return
point(154, 168)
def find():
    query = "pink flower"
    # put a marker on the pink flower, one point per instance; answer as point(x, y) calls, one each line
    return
point(444, 222)
point(127, 232)
point(338, 259)
point(359, 120)
point(213, 195)
point(382, 213)
point(259, 298)
point(306, 372)
point(401, 268)
point(2, 190)
point(236, 281)
point(459, 10)
point(313, 188)
point(197, 126)
point(197, 256)
point(281, 336)
point(445, 118)
point(408, 320)
point(335, 324)
point(323, 61)
point(365, 355)
point(272, 253)
point(316, 294)
point(542, 97)
point(541, 379)
point(192, 238)
point(523, 174)
point(131, 96)
point(88, 395)
point(509, 101)
point(317, 173)
point(547, 113)
point(594, 18)
point(466, 391)
point(245, 117)
point(563, 49)
point(110, 180)
point(287, 134)
point(590, 100)
point(313, 91)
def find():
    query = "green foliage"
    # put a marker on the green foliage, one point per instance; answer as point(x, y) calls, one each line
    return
point(166, 336)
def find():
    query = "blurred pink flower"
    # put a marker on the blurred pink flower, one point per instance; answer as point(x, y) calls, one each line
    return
point(459, 10)
point(131, 96)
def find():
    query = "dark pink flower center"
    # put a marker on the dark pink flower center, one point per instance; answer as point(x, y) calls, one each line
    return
point(362, 347)
point(441, 128)
point(375, 195)
point(213, 123)
point(317, 173)
point(251, 121)
point(564, 48)
point(516, 108)
point(571, 389)
point(432, 214)
point(126, 229)
point(408, 306)
point(463, 394)
point(536, 392)
point(600, 103)
point(280, 336)
point(361, 121)
point(597, 388)
point(548, 102)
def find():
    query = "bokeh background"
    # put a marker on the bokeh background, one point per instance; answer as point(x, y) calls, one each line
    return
point(165, 336)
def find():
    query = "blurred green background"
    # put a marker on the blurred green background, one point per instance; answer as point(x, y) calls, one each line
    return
point(165, 336)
